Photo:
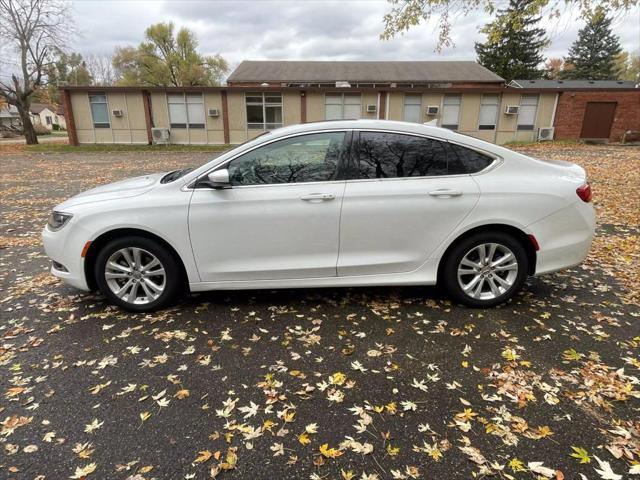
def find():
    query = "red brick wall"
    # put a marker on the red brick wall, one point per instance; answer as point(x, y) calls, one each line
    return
point(572, 105)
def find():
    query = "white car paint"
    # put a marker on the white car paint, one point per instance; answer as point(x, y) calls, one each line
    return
point(369, 232)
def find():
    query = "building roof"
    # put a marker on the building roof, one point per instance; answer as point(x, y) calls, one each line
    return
point(36, 108)
point(10, 111)
point(363, 72)
point(564, 84)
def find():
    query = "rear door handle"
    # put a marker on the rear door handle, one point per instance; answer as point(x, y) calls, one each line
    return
point(318, 197)
point(445, 192)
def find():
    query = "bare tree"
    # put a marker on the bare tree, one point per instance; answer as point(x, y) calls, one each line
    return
point(33, 29)
point(101, 69)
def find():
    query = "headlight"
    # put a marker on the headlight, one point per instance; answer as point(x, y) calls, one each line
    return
point(57, 220)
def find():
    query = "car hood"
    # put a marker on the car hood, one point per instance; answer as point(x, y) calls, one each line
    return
point(130, 187)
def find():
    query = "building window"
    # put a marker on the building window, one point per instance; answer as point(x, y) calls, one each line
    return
point(99, 110)
point(451, 111)
point(527, 112)
point(49, 121)
point(488, 112)
point(340, 106)
point(264, 111)
point(412, 108)
point(185, 110)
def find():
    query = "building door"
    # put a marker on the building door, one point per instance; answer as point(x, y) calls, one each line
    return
point(598, 118)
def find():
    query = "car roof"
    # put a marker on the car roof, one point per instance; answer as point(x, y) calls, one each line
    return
point(393, 125)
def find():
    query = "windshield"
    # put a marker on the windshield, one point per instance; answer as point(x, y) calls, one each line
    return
point(176, 174)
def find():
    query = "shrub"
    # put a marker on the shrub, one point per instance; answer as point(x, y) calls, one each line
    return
point(56, 127)
point(41, 129)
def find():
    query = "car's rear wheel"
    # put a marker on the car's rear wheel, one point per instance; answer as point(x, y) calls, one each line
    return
point(485, 269)
point(138, 274)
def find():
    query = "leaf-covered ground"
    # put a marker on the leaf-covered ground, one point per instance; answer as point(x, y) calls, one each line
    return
point(332, 384)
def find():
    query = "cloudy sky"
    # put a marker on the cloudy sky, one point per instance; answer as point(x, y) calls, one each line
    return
point(302, 29)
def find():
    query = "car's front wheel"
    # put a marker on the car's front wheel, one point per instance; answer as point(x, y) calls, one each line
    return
point(485, 269)
point(138, 274)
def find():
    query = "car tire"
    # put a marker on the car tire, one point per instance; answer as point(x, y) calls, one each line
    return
point(485, 269)
point(142, 266)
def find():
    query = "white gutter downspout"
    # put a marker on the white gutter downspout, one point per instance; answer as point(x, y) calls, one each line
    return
point(386, 106)
point(553, 113)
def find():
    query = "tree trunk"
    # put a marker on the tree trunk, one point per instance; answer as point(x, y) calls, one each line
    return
point(27, 127)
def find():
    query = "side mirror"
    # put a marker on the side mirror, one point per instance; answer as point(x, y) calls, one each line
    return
point(217, 179)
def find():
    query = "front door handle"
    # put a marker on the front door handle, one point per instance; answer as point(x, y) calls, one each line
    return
point(445, 192)
point(318, 197)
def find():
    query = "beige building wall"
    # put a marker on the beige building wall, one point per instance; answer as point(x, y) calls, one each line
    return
point(315, 106)
point(131, 126)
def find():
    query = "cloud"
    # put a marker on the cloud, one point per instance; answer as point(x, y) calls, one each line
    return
point(320, 30)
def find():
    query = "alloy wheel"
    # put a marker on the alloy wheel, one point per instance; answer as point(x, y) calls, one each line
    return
point(135, 275)
point(487, 271)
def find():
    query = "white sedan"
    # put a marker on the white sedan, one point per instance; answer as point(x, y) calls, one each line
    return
point(341, 203)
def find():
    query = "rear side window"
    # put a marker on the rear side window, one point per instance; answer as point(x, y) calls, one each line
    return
point(471, 160)
point(393, 155)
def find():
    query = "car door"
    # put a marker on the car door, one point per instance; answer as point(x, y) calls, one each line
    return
point(406, 194)
point(281, 217)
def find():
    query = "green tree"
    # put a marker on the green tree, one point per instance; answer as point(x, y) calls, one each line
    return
point(165, 59)
point(514, 43)
point(627, 66)
point(594, 52)
point(405, 14)
point(66, 69)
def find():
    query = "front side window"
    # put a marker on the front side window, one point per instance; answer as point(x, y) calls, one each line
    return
point(393, 155)
point(305, 158)
point(186, 110)
point(264, 111)
point(342, 106)
point(451, 111)
point(49, 122)
point(99, 110)
point(527, 112)
point(488, 112)
point(413, 108)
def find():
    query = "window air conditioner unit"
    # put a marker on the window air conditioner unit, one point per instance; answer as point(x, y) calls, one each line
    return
point(213, 112)
point(512, 109)
point(160, 136)
point(433, 110)
point(372, 108)
point(545, 133)
point(116, 113)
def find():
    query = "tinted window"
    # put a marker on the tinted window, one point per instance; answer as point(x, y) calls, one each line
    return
point(307, 158)
point(391, 155)
point(471, 160)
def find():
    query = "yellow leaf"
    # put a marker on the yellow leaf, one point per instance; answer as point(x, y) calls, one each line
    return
point(329, 452)
point(230, 461)
point(393, 451)
point(338, 378)
point(203, 456)
point(581, 454)
point(288, 416)
point(467, 414)
point(144, 416)
point(510, 355)
point(517, 465)
point(348, 475)
point(544, 431)
point(304, 439)
point(268, 425)
point(146, 469)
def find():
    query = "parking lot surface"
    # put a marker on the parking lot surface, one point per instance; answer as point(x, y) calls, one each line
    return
point(325, 383)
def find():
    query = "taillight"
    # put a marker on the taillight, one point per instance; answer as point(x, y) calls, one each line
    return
point(584, 192)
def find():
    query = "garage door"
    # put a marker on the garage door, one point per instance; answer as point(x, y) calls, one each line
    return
point(598, 118)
